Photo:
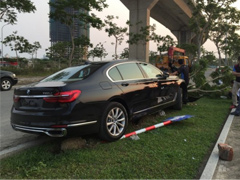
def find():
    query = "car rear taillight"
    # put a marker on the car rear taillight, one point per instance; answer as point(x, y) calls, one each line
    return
point(15, 98)
point(63, 97)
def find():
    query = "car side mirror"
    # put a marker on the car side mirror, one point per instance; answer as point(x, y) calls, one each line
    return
point(165, 75)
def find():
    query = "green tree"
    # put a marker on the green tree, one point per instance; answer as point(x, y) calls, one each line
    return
point(125, 54)
point(69, 18)
point(9, 9)
point(33, 48)
point(232, 46)
point(145, 34)
point(98, 51)
point(218, 35)
point(58, 52)
point(82, 44)
point(190, 49)
point(17, 43)
point(222, 29)
point(163, 42)
point(114, 30)
point(205, 16)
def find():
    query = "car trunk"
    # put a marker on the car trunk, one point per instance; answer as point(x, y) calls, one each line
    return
point(38, 98)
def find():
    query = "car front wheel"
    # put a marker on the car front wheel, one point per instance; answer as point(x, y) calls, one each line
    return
point(114, 122)
point(6, 84)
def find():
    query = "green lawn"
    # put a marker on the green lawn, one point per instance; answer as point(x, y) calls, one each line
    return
point(176, 151)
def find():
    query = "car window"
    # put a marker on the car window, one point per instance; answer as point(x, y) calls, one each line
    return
point(150, 70)
point(130, 71)
point(72, 73)
point(114, 74)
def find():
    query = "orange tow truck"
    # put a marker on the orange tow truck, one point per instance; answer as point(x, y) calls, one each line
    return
point(172, 57)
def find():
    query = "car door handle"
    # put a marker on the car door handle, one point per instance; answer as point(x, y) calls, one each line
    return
point(124, 84)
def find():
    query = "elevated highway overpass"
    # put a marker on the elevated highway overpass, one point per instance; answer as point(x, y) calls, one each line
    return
point(173, 14)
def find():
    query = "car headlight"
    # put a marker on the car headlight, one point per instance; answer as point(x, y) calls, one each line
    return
point(14, 75)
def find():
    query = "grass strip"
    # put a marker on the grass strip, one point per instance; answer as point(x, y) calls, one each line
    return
point(177, 151)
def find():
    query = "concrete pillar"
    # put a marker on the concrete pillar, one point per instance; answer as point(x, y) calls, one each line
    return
point(139, 17)
point(184, 37)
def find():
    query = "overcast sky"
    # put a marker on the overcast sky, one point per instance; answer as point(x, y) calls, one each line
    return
point(35, 27)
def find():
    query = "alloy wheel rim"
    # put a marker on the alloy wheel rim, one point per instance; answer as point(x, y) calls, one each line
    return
point(116, 121)
point(6, 84)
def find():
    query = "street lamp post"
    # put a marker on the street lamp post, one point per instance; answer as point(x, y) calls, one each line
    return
point(2, 39)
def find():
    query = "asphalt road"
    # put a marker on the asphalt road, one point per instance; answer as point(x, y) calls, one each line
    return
point(8, 137)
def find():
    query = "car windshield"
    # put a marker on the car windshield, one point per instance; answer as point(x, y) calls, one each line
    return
point(72, 73)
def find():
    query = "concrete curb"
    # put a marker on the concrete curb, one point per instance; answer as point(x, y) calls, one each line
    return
point(211, 165)
point(7, 152)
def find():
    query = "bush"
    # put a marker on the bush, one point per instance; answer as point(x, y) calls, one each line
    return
point(31, 71)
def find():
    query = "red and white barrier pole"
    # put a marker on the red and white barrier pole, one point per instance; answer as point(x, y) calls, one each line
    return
point(168, 121)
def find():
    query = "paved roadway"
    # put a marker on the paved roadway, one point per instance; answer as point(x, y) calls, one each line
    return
point(8, 137)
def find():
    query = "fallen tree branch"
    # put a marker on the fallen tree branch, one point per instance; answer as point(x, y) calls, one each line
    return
point(206, 91)
point(207, 82)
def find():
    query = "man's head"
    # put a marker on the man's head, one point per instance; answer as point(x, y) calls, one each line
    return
point(180, 61)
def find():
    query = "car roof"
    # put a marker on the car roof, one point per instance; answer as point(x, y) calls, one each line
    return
point(111, 62)
point(106, 63)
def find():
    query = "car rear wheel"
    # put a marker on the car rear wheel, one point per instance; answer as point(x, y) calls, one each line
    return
point(6, 84)
point(178, 105)
point(114, 122)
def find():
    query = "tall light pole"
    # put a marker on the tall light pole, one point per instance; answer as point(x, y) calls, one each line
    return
point(2, 39)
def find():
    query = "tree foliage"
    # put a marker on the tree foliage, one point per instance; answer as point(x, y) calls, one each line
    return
point(163, 42)
point(20, 44)
point(116, 31)
point(144, 35)
point(222, 30)
point(212, 82)
point(70, 12)
point(82, 44)
point(33, 48)
point(190, 49)
point(82, 7)
point(9, 9)
point(58, 50)
point(206, 14)
point(98, 51)
point(147, 34)
point(17, 43)
point(124, 54)
point(232, 46)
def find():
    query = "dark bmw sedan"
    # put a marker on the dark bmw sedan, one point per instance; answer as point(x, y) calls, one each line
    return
point(97, 97)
